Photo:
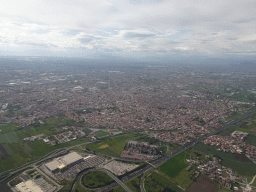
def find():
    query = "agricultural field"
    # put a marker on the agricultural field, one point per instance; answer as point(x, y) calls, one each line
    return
point(14, 152)
point(175, 165)
point(40, 148)
point(175, 168)
point(230, 160)
point(102, 134)
point(112, 146)
point(203, 183)
point(8, 128)
point(235, 115)
point(173, 147)
point(19, 157)
point(251, 139)
point(51, 126)
point(183, 179)
point(9, 137)
point(158, 183)
point(96, 179)
point(3, 152)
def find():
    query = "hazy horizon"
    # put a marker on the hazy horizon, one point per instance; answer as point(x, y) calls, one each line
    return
point(128, 29)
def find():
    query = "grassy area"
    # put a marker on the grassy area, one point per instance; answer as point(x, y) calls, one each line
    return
point(183, 179)
point(173, 147)
point(235, 115)
point(40, 148)
point(251, 139)
point(229, 160)
point(9, 137)
point(102, 134)
point(211, 129)
point(87, 131)
point(175, 168)
point(254, 183)
point(51, 126)
point(158, 183)
point(175, 165)
point(133, 184)
point(78, 188)
point(8, 128)
point(96, 179)
point(117, 189)
point(19, 157)
point(112, 146)
point(21, 153)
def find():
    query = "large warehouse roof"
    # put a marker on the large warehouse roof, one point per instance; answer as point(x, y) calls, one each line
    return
point(53, 165)
point(64, 161)
point(71, 158)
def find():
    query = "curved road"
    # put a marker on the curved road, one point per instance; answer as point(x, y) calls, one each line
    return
point(7, 174)
point(109, 174)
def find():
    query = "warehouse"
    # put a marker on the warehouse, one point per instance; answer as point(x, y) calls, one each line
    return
point(63, 162)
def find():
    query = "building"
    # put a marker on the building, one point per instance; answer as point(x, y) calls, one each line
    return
point(28, 186)
point(63, 162)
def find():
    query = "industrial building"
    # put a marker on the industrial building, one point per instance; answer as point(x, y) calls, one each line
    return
point(63, 162)
point(28, 186)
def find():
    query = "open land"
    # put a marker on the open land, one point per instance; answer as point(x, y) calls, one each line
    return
point(113, 146)
point(96, 179)
point(203, 183)
point(157, 183)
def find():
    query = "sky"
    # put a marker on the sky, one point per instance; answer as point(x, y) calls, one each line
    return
point(128, 28)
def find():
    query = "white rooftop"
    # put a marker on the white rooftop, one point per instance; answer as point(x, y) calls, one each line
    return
point(28, 186)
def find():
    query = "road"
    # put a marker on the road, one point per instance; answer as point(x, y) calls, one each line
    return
point(183, 148)
point(116, 179)
point(252, 180)
point(42, 173)
point(7, 174)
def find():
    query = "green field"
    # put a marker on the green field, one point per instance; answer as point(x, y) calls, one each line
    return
point(87, 131)
point(251, 139)
point(23, 152)
point(183, 179)
point(78, 188)
point(8, 128)
point(51, 126)
point(115, 145)
point(96, 179)
point(158, 183)
point(175, 169)
point(101, 134)
point(229, 160)
point(9, 137)
point(19, 157)
point(40, 148)
point(175, 165)
point(133, 184)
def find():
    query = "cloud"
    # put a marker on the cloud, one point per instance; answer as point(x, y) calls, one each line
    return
point(130, 26)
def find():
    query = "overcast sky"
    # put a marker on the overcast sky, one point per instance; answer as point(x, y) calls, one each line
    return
point(130, 28)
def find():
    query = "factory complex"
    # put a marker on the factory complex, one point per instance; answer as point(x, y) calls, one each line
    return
point(63, 162)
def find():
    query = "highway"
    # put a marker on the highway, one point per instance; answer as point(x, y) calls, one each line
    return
point(161, 160)
point(115, 178)
point(5, 175)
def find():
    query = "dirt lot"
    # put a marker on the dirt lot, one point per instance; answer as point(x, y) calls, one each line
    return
point(3, 152)
point(203, 184)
